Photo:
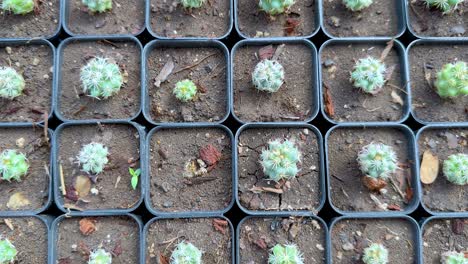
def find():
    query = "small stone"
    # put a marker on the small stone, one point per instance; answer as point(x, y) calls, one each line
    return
point(74, 247)
point(358, 233)
point(458, 30)
point(94, 191)
point(335, 21)
point(8, 50)
point(339, 255)
point(306, 131)
point(383, 191)
point(45, 76)
point(320, 247)
point(425, 244)
point(20, 142)
point(347, 246)
point(328, 63)
point(167, 204)
point(35, 61)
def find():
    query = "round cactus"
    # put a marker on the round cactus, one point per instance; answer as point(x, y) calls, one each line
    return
point(18, 7)
point(357, 5)
point(13, 165)
point(99, 6)
point(375, 254)
point(100, 256)
point(186, 253)
point(280, 160)
point(11, 83)
point(101, 78)
point(377, 160)
point(275, 7)
point(93, 158)
point(185, 90)
point(452, 80)
point(453, 257)
point(369, 75)
point(446, 6)
point(268, 76)
point(456, 169)
point(288, 254)
point(192, 3)
point(7, 251)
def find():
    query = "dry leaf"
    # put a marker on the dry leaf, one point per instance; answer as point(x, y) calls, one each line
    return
point(210, 154)
point(409, 194)
point(220, 225)
point(17, 200)
point(256, 189)
point(278, 52)
point(396, 98)
point(329, 106)
point(389, 72)
point(394, 207)
point(87, 226)
point(387, 50)
point(266, 52)
point(373, 184)
point(452, 140)
point(291, 25)
point(163, 259)
point(429, 167)
point(260, 243)
point(9, 223)
point(82, 185)
point(164, 73)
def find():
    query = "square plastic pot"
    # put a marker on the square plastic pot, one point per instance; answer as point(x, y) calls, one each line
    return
point(59, 62)
point(184, 214)
point(58, 197)
point(321, 169)
point(148, 84)
point(411, 148)
point(403, 69)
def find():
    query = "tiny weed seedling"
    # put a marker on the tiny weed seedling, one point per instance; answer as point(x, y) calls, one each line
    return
point(185, 90)
point(98, 6)
point(369, 75)
point(275, 7)
point(375, 254)
point(18, 7)
point(268, 76)
point(445, 6)
point(452, 80)
point(453, 257)
point(100, 256)
point(288, 254)
point(93, 158)
point(101, 78)
point(135, 175)
point(189, 4)
point(456, 169)
point(13, 165)
point(357, 5)
point(7, 251)
point(11, 83)
point(186, 253)
point(280, 160)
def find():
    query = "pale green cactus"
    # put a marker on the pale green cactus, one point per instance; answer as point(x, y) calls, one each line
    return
point(452, 80)
point(100, 256)
point(98, 6)
point(101, 78)
point(275, 7)
point(7, 251)
point(18, 7)
point(189, 4)
point(13, 165)
point(93, 158)
point(280, 160)
point(453, 257)
point(287, 254)
point(375, 254)
point(268, 76)
point(456, 169)
point(369, 75)
point(377, 160)
point(186, 253)
point(446, 6)
point(185, 90)
point(357, 5)
point(11, 83)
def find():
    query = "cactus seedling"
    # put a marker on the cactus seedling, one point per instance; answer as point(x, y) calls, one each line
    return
point(288, 254)
point(7, 251)
point(357, 5)
point(452, 80)
point(377, 160)
point(453, 257)
point(185, 90)
point(11, 83)
point(268, 76)
point(186, 253)
point(280, 160)
point(369, 75)
point(100, 256)
point(101, 78)
point(93, 158)
point(456, 169)
point(13, 165)
point(446, 6)
point(375, 254)
point(18, 7)
point(98, 6)
point(275, 7)
point(192, 3)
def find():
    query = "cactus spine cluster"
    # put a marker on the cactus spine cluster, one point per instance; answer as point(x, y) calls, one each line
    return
point(377, 160)
point(453, 257)
point(268, 76)
point(287, 254)
point(357, 5)
point(369, 75)
point(375, 254)
point(280, 160)
point(192, 3)
point(100, 256)
point(13, 165)
point(275, 7)
point(7, 251)
point(456, 169)
point(18, 7)
point(452, 80)
point(98, 6)
point(446, 6)
point(185, 90)
point(93, 158)
point(101, 78)
point(186, 253)
point(11, 83)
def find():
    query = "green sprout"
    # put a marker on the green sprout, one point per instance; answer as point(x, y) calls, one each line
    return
point(357, 5)
point(369, 75)
point(288, 254)
point(377, 160)
point(189, 4)
point(99, 6)
point(280, 160)
point(375, 254)
point(7, 251)
point(268, 76)
point(135, 174)
point(93, 157)
point(453, 257)
point(275, 7)
point(446, 6)
point(186, 253)
point(13, 165)
point(185, 90)
point(18, 7)
point(100, 256)
point(11, 83)
point(456, 169)
point(452, 80)
point(101, 78)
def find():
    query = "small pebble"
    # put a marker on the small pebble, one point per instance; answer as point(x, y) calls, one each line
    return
point(167, 204)
point(8, 50)
point(347, 246)
point(320, 247)
point(328, 63)
point(20, 142)
point(94, 191)
point(35, 61)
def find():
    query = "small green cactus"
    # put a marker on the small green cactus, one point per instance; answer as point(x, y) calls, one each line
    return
point(268, 76)
point(98, 6)
point(275, 7)
point(101, 78)
point(357, 5)
point(446, 6)
point(375, 254)
point(280, 160)
point(186, 253)
point(11, 83)
point(453, 257)
point(452, 80)
point(93, 158)
point(18, 7)
point(13, 165)
point(7, 251)
point(189, 4)
point(456, 169)
point(287, 254)
point(185, 90)
point(369, 75)
point(377, 160)
point(100, 256)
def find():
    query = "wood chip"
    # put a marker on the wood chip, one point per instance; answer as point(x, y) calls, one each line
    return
point(256, 189)
point(163, 259)
point(82, 185)
point(87, 226)
point(396, 98)
point(62, 181)
point(329, 106)
point(164, 73)
point(266, 53)
point(429, 167)
point(9, 223)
